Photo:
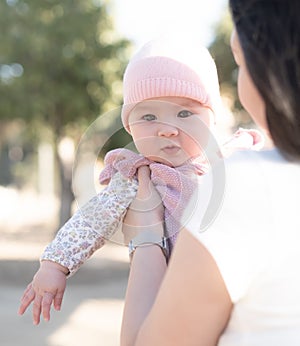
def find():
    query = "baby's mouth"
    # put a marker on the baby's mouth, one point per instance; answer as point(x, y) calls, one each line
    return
point(171, 149)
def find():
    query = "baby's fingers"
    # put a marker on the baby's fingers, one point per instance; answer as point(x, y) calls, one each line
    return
point(27, 299)
point(46, 305)
point(58, 300)
point(36, 309)
point(144, 189)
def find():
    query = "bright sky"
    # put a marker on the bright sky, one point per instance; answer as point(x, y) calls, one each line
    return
point(143, 20)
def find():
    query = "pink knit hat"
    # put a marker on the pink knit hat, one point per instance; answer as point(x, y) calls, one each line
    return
point(167, 67)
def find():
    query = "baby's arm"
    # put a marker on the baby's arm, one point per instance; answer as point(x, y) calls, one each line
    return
point(75, 242)
point(92, 225)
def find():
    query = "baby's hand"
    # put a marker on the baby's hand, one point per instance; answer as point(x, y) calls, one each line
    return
point(47, 287)
point(145, 211)
point(244, 139)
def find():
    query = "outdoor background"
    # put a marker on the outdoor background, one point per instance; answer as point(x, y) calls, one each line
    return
point(61, 67)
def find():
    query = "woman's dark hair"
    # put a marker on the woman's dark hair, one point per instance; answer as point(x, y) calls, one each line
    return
point(269, 34)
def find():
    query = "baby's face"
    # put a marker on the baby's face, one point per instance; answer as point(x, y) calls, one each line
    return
point(170, 130)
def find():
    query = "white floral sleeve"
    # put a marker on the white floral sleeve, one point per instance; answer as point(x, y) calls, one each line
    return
point(92, 224)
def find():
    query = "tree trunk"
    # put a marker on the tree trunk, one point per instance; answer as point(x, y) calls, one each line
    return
point(66, 194)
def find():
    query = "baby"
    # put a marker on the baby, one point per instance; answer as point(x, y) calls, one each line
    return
point(171, 102)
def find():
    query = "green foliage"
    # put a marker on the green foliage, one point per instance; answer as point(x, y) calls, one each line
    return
point(59, 61)
point(61, 66)
point(227, 68)
point(220, 49)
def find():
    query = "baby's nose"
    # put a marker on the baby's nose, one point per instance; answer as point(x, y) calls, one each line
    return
point(167, 130)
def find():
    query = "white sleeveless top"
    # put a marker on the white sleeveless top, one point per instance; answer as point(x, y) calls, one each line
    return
point(255, 241)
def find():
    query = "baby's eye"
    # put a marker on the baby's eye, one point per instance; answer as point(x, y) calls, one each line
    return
point(184, 113)
point(149, 117)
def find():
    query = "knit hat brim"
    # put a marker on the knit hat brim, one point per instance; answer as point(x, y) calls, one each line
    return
point(160, 70)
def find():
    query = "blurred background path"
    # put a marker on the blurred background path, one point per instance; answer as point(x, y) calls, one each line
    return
point(93, 303)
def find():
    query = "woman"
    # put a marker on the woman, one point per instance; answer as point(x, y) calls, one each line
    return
point(238, 282)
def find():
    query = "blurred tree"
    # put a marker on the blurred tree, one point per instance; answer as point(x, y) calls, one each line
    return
point(60, 64)
point(227, 68)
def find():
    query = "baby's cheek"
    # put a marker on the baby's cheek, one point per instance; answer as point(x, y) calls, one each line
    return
point(197, 141)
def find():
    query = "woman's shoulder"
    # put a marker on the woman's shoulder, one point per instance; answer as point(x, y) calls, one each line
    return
point(262, 165)
point(251, 157)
